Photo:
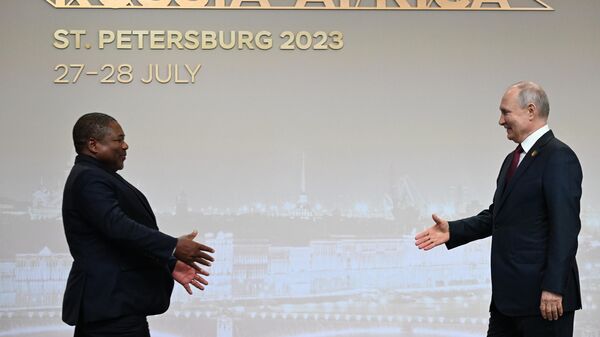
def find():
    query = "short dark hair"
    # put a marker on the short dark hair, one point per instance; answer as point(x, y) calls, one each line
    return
point(91, 125)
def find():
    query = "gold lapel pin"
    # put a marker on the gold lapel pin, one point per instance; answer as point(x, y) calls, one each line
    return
point(534, 153)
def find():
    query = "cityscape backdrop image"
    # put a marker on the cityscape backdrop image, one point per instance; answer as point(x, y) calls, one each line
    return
point(309, 171)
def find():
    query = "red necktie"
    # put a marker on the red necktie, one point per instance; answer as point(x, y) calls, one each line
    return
point(514, 163)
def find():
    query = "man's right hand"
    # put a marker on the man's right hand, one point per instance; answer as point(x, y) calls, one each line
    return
point(435, 235)
point(190, 252)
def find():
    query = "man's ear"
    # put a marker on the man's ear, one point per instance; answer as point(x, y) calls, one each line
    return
point(92, 145)
point(532, 110)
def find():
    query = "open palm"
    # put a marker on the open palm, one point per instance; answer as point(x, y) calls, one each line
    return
point(435, 235)
point(186, 276)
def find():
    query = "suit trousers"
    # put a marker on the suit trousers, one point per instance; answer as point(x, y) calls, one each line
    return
point(529, 326)
point(126, 326)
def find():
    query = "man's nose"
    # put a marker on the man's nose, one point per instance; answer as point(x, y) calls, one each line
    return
point(501, 121)
point(125, 146)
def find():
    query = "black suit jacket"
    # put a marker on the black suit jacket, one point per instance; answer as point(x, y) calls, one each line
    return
point(122, 263)
point(534, 223)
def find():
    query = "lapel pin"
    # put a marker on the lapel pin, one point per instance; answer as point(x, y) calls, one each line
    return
point(534, 153)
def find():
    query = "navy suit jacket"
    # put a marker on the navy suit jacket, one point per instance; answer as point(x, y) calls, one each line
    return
point(534, 223)
point(122, 263)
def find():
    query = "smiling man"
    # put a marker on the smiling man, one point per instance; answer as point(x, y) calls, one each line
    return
point(124, 267)
point(534, 223)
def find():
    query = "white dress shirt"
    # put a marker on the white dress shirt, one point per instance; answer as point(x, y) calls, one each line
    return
point(527, 144)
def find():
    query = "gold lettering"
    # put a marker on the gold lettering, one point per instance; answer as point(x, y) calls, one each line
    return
point(193, 72)
point(174, 37)
point(60, 39)
point(400, 3)
point(165, 80)
point(261, 3)
point(231, 43)
point(192, 3)
point(149, 79)
point(123, 39)
point(155, 3)
point(422, 4)
point(453, 4)
point(209, 40)
point(191, 38)
point(115, 3)
point(104, 37)
point(264, 40)
point(177, 80)
point(502, 3)
point(157, 39)
point(326, 3)
point(82, 3)
point(245, 38)
point(78, 34)
point(140, 34)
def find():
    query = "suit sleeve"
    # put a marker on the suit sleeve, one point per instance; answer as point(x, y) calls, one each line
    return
point(101, 208)
point(476, 227)
point(470, 229)
point(171, 263)
point(562, 191)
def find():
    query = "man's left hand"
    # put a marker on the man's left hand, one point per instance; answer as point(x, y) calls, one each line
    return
point(551, 306)
point(186, 275)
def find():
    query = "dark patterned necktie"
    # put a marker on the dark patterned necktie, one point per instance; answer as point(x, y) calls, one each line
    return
point(514, 163)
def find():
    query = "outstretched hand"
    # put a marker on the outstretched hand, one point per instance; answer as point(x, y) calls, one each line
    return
point(191, 252)
point(186, 276)
point(435, 235)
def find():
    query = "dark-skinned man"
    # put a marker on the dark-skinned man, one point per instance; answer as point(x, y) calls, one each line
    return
point(123, 267)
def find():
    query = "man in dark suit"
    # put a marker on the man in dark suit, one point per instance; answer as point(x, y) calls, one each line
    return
point(534, 223)
point(123, 267)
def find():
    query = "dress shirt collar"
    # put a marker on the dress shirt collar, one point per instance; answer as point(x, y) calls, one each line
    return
point(528, 143)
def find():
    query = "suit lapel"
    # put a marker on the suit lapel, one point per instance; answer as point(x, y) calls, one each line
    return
point(501, 182)
point(139, 196)
point(521, 169)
